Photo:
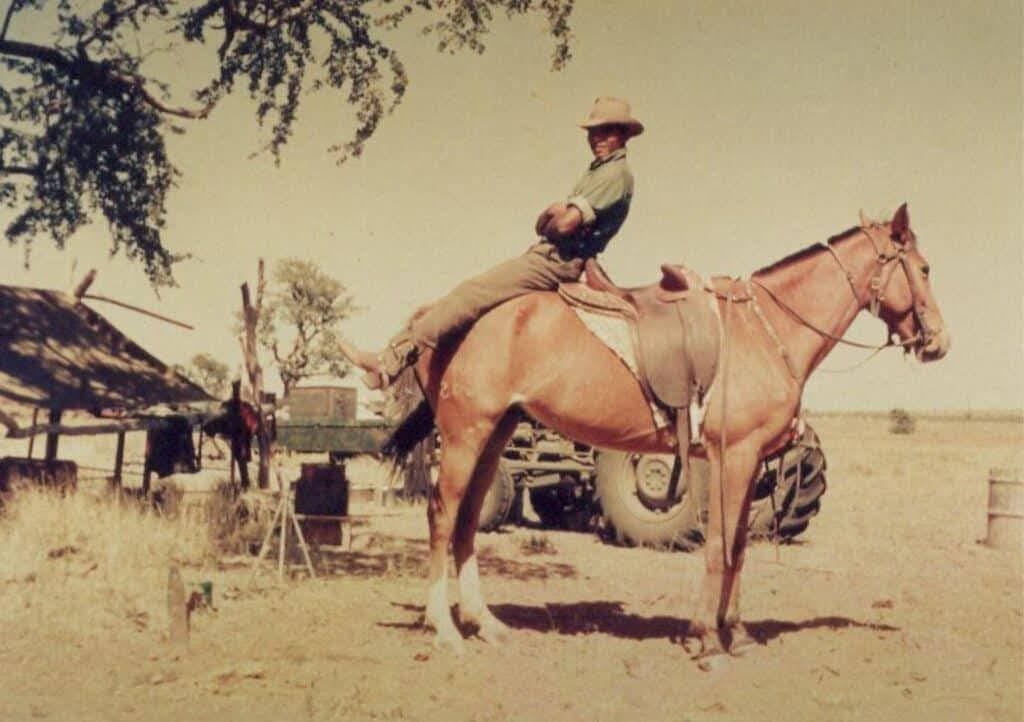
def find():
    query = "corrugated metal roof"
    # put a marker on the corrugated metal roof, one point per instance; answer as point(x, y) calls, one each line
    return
point(56, 353)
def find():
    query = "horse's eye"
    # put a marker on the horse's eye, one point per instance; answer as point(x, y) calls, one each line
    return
point(926, 270)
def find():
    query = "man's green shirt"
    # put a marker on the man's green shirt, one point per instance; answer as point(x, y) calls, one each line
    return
point(603, 196)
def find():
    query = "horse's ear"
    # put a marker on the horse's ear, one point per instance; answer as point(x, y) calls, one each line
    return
point(864, 222)
point(901, 223)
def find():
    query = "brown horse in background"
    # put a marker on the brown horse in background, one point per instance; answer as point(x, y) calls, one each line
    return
point(534, 354)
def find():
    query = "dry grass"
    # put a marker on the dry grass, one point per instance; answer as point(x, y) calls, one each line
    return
point(112, 555)
point(886, 609)
point(537, 544)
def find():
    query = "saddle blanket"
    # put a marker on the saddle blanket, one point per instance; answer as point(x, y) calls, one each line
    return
point(614, 332)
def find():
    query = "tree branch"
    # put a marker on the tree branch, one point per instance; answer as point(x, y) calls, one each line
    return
point(239, 19)
point(149, 99)
point(19, 170)
point(113, 18)
point(86, 69)
point(31, 51)
point(7, 19)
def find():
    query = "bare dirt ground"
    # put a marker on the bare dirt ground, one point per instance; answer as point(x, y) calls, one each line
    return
point(887, 609)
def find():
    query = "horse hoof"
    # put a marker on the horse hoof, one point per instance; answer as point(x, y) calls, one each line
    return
point(449, 643)
point(493, 632)
point(740, 640)
point(712, 663)
point(694, 646)
point(706, 650)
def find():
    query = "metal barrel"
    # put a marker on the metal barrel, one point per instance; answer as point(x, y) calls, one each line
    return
point(1005, 509)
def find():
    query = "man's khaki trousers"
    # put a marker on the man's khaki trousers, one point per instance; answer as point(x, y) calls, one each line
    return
point(541, 268)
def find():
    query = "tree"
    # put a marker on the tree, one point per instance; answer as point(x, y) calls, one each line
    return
point(209, 374)
point(300, 322)
point(84, 113)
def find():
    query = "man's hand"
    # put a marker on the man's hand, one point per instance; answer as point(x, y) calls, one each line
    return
point(555, 209)
point(559, 221)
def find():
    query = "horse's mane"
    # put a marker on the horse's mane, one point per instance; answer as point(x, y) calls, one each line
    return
point(811, 250)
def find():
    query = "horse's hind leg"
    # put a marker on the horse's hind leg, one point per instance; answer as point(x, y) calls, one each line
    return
point(459, 457)
point(473, 610)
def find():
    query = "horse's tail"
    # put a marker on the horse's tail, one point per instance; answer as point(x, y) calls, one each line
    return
point(407, 407)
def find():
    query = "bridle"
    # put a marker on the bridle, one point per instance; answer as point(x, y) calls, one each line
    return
point(886, 264)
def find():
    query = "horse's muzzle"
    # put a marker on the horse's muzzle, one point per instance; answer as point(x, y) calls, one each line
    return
point(935, 348)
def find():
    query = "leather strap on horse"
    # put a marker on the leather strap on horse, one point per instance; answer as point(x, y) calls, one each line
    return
point(772, 334)
point(765, 323)
point(825, 334)
point(724, 370)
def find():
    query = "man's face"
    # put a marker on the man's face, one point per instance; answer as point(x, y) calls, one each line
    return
point(606, 139)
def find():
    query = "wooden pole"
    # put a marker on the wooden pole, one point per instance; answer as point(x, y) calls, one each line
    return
point(147, 465)
point(32, 439)
point(53, 437)
point(251, 317)
point(84, 284)
point(119, 459)
point(144, 312)
point(95, 429)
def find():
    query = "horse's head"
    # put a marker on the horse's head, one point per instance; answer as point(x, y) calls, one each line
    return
point(901, 291)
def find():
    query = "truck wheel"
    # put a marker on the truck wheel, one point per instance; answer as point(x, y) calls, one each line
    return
point(566, 505)
point(547, 505)
point(797, 494)
point(631, 489)
point(498, 502)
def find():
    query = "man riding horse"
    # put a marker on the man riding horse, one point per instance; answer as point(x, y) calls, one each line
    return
point(775, 327)
point(569, 231)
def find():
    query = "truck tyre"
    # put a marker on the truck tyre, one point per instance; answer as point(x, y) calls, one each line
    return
point(631, 489)
point(498, 502)
point(565, 505)
point(796, 491)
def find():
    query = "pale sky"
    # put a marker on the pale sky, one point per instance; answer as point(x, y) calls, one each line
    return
point(769, 126)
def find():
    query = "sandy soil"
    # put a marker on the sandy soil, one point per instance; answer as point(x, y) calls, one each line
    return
point(887, 609)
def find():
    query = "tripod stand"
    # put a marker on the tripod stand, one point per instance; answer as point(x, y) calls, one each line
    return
point(284, 516)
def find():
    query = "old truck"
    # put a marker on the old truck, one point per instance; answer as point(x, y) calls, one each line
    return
point(624, 497)
point(316, 419)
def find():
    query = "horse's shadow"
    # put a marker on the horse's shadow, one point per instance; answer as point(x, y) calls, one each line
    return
point(610, 618)
point(387, 556)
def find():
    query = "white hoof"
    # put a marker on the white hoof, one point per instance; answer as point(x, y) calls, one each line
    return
point(488, 628)
point(450, 642)
point(493, 632)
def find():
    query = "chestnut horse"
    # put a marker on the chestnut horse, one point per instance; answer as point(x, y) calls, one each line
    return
point(535, 355)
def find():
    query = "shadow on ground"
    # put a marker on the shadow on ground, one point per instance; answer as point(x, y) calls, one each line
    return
point(385, 556)
point(610, 618)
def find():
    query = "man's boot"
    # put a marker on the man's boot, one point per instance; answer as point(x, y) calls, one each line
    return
point(384, 367)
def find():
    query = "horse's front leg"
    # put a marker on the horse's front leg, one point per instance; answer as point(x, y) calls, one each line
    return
point(717, 618)
point(473, 611)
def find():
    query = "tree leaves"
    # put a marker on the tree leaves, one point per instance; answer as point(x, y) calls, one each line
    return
point(300, 322)
point(82, 124)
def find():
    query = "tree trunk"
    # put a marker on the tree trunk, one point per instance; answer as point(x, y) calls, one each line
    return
point(251, 316)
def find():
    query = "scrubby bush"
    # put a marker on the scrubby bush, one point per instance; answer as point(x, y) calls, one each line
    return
point(901, 422)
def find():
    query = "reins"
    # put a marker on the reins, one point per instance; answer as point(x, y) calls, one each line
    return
point(876, 286)
point(831, 336)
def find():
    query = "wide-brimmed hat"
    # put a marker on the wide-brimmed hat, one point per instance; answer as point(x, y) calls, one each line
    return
point(613, 111)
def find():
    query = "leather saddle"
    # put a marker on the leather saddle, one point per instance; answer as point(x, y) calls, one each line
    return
point(675, 333)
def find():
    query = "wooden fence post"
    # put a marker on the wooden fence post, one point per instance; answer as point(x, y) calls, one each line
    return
point(53, 438)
